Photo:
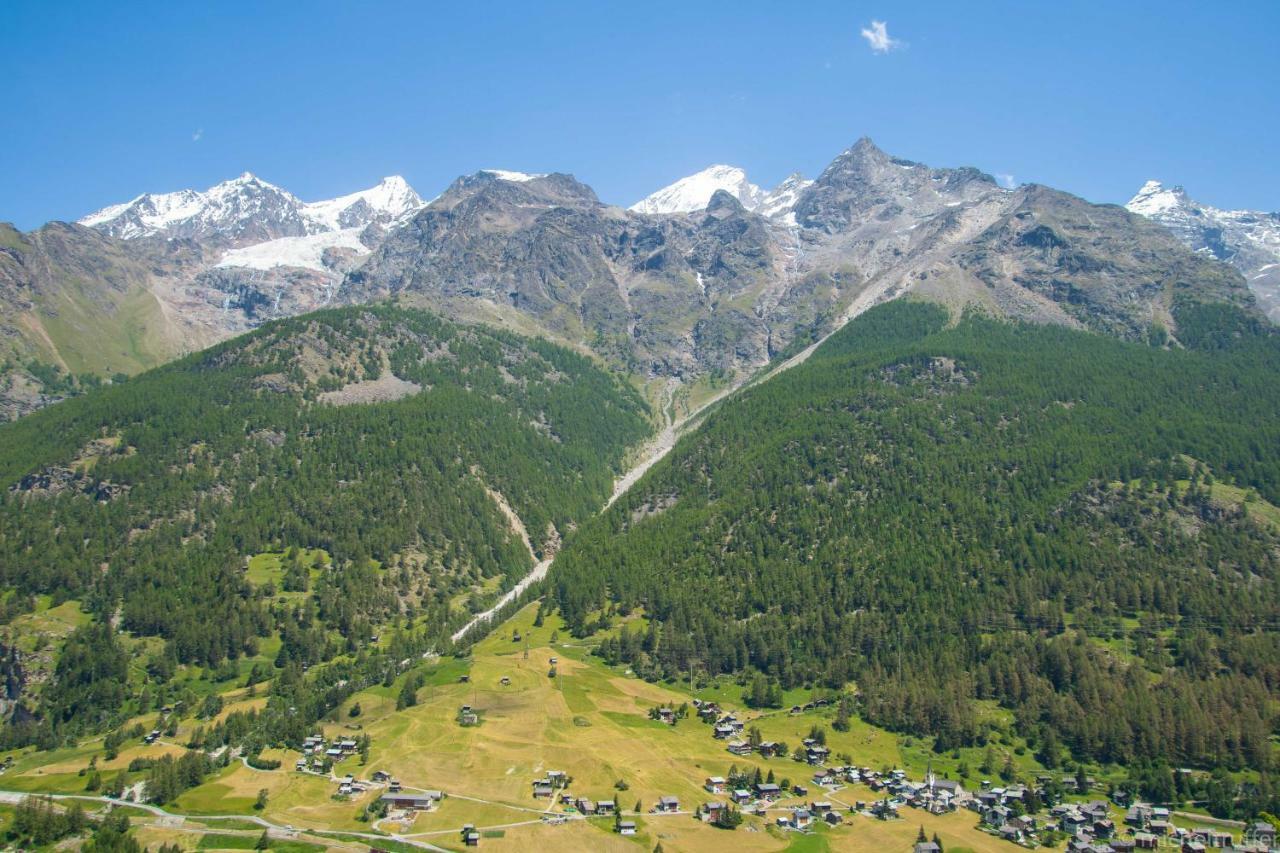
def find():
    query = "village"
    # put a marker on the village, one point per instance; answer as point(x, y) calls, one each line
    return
point(538, 741)
point(828, 794)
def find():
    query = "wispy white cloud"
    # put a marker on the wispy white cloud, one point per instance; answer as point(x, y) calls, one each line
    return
point(196, 137)
point(877, 36)
point(1006, 181)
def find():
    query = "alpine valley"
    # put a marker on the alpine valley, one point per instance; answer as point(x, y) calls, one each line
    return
point(886, 505)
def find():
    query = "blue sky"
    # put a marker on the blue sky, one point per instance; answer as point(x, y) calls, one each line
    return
point(107, 100)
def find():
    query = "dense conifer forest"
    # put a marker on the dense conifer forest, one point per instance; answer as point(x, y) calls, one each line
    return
point(1077, 528)
point(385, 437)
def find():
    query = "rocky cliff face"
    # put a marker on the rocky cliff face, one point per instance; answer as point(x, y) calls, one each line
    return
point(724, 289)
point(1248, 240)
point(780, 201)
point(866, 183)
point(1100, 265)
point(77, 303)
point(638, 289)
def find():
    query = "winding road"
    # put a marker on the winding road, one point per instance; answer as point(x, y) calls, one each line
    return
point(175, 820)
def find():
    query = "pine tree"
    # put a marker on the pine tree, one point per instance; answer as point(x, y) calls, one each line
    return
point(988, 764)
point(408, 694)
point(843, 711)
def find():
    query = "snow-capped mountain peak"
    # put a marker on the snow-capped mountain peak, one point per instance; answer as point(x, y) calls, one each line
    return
point(247, 210)
point(146, 213)
point(514, 177)
point(389, 201)
point(1154, 198)
point(244, 179)
point(1248, 240)
point(779, 201)
point(693, 193)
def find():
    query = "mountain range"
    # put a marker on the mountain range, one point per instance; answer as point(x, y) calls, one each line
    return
point(248, 211)
point(702, 282)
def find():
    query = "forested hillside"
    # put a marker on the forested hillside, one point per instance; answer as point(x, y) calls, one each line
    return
point(1078, 528)
point(390, 445)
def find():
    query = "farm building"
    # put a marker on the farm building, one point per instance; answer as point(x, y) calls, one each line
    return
point(413, 802)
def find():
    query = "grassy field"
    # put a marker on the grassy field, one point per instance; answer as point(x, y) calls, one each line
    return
point(590, 722)
point(224, 841)
point(294, 798)
point(152, 837)
point(1260, 510)
point(269, 568)
point(47, 622)
point(107, 331)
